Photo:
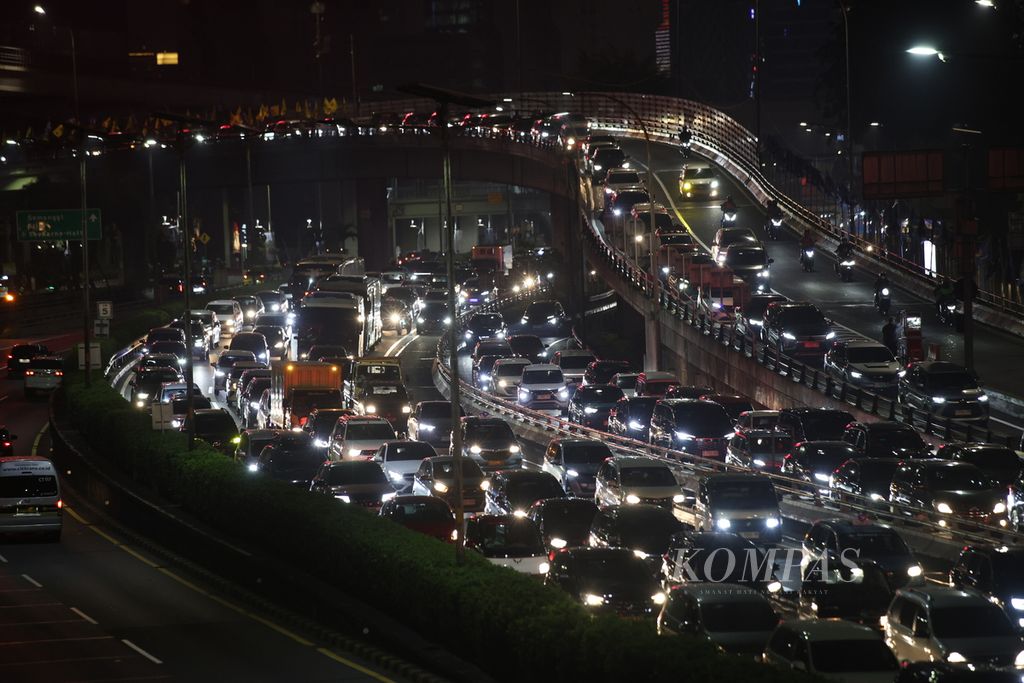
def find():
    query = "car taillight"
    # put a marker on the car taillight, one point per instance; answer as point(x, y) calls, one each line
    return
point(59, 504)
point(7, 444)
point(59, 373)
point(29, 373)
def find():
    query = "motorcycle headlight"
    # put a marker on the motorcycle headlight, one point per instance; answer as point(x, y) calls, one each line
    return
point(388, 496)
point(1017, 604)
point(353, 452)
point(983, 397)
point(475, 449)
point(589, 410)
point(938, 399)
point(469, 335)
point(406, 410)
point(344, 499)
point(821, 477)
point(218, 373)
point(999, 508)
point(371, 409)
point(447, 320)
point(957, 658)
point(809, 253)
point(514, 448)
point(847, 264)
point(830, 335)
point(198, 343)
point(714, 183)
point(687, 186)
point(944, 508)
point(723, 524)
point(658, 598)
point(558, 543)
point(420, 320)
point(789, 335)
point(395, 318)
point(764, 272)
point(440, 488)
point(485, 485)
point(856, 375)
point(320, 443)
point(885, 291)
point(633, 499)
point(142, 395)
point(914, 571)
point(563, 392)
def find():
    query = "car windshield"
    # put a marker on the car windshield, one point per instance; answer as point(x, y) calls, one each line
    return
point(770, 444)
point(322, 424)
point(746, 257)
point(433, 309)
point(509, 369)
point(648, 530)
point(369, 431)
point(543, 309)
point(958, 478)
point(221, 309)
point(571, 517)
point(951, 381)
point(869, 354)
point(543, 377)
point(658, 387)
point(897, 439)
point(847, 656)
point(433, 510)
point(702, 173)
point(802, 315)
point(507, 537)
point(971, 621)
point(627, 381)
point(631, 197)
point(490, 432)
point(825, 457)
point(703, 419)
point(436, 411)
point(823, 425)
point(483, 321)
point(648, 476)
point(409, 450)
point(726, 617)
point(527, 346)
point(742, 495)
point(874, 543)
point(624, 177)
point(733, 236)
point(995, 458)
point(604, 397)
point(585, 453)
point(355, 473)
point(575, 362)
point(624, 569)
point(527, 491)
point(445, 469)
point(874, 475)
point(272, 334)
point(609, 156)
point(215, 425)
point(26, 486)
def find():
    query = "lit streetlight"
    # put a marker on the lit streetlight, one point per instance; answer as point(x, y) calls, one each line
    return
point(38, 9)
point(926, 51)
point(987, 4)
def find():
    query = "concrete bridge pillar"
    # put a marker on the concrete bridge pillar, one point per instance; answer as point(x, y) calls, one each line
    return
point(376, 243)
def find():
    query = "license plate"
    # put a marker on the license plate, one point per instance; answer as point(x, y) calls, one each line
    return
point(468, 502)
point(543, 396)
point(963, 413)
point(709, 454)
point(23, 360)
point(750, 534)
point(811, 345)
point(28, 510)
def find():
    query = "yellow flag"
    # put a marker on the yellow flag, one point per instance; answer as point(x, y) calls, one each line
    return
point(284, 108)
point(58, 130)
point(330, 106)
point(299, 108)
point(263, 112)
point(236, 118)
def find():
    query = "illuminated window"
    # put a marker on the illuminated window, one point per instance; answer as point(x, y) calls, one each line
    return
point(166, 58)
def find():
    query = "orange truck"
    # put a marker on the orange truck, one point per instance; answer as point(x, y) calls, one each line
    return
point(497, 258)
point(297, 387)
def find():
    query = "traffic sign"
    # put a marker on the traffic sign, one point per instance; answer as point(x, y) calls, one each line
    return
point(58, 224)
point(204, 238)
point(104, 310)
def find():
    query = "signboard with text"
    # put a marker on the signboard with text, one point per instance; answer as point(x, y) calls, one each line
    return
point(58, 224)
point(899, 175)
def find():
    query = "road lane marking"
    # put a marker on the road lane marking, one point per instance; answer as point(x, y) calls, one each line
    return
point(3, 398)
point(84, 615)
point(3, 559)
point(349, 663)
point(141, 651)
point(31, 580)
point(39, 436)
point(411, 338)
point(396, 343)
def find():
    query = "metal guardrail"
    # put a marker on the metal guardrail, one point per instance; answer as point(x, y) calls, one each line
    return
point(945, 527)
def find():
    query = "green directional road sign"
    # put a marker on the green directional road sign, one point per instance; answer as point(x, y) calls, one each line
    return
point(58, 224)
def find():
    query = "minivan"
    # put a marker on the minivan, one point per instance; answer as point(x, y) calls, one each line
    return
point(30, 501)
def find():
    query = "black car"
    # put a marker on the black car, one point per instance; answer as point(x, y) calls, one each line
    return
point(21, 355)
point(146, 383)
point(631, 417)
point(544, 314)
point(865, 364)
point(292, 459)
point(277, 340)
point(601, 371)
point(574, 463)
point(513, 492)
point(564, 522)
point(751, 263)
point(866, 477)
point(604, 159)
point(483, 326)
point(687, 391)
point(607, 580)
point(249, 400)
point(216, 427)
point(431, 421)
point(355, 482)
point(886, 440)
point(273, 301)
point(949, 488)
point(226, 361)
point(941, 672)
point(798, 330)
point(199, 336)
point(943, 390)
point(482, 368)
point(814, 424)
point(490, 442)
point(713, 556)
point(591, 404)
point(865, 541)
point(528, 346)
point(251, 341)
point(320, 424)
point(177, 349)
point(700, 428)
point(856, 591)
point(750, 317)
point(323, 352)
point(647, 530)
point(999, 462)
point(735, 618)
point(815, 461)
point(162, 334)
point(433, 317)
point(759, 449)
point(997, 572)
point(491, 347)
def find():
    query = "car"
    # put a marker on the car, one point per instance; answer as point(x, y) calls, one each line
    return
point(320, 425)
point(251, 306)
point(742, 503)
point(249, 399)
point(843, 587)
point(863, 478)
point(645, 529)
point(482, 367)
point(620, 178)
point(513, 492)
point(242, 391)
point(833, 649)
point(483, 326)
point(44, 373)
point(699, 428)
point(217, 428)
point(996, 572)
point(563, 522)
point(620, 203)
point(21, 355)
point(547, 314)
point(734, 404)
point(233, 380)
point(798, 330)
point(395, 316)
point(251, 443)
point(359, 483)
point(490, 442)
point(491, 347)
point(654, 383)
point(750, 263)
point(864, 364)
point(401, 459)
point(282, 320)
point(276, 340)
point(325, 353)
point(949, 488)
point(591, 405)
point(574, 463)
point(632, 480)
point(433, 317)
point(357, 437)
point(814, 424)
point(943, 672)
point(604, 158)
point(290, 458)
point(719, 556)
point(726, 237)
point(865, 541)
point(512, 541)
point(229, 314)
point(30, 497)
point(758, 449)
point(602, 371)
point(698, 182)
point(210, 322)
point(431, 421)
point(7, 440)
point(631, 417)
point(389, 400)
point(606, 580)
point(436, 477)
point(427, 515)
point(928, 623)
point(999, 462)
point(162, 334)
point(474, 292)
point(625, 381)
point(814, 462)
point(199, 336)
point(886, 440)
point(758, 420)
point(225, 361)
point(573, 363)
point(179, 408)
point(528, 346)
point(273, 301)
point(543, 387)
point(749, 317)
point(145, 384)
point(943, 390)
point(506, 374)
point(733, 617)
point(251, 341)
point(173, 390)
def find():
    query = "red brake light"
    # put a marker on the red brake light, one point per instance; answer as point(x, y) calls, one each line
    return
point(29, 373)
point(7, 444)
point(60, 503)
point(59, 373)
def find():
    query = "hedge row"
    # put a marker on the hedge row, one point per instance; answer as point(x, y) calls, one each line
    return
point(507, 623)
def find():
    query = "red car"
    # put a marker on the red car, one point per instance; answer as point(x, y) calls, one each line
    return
point(426, 514)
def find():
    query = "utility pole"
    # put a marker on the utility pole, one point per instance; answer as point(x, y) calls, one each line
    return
point(352, 61)
point(757, 79)
point(186, 239)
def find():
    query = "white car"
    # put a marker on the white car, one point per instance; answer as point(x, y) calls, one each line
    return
point(400, 460)
point(835, 649)
point(631, 480)
point(506, 374)
point(542, 387)
point(229, 313)
point(573, 363)
point(511, 541)
point(44, 373)
point(359, 437)
point(625, 381)
point(619, 179)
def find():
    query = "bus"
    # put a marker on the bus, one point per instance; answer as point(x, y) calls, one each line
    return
point(371, 291)
point(329, 322)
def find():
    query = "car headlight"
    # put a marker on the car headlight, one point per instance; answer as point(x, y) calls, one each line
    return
point(847, 264)
point(543, 568)
point(789, 335)
point(683, 436)
point(771, 522)
point(475, 449)
point(563, 393)
point(764, 272)
point(687, 186)
point(938, 399)
point(830, 335)
point(1017, 604)
point(821, 477)
point(447, 320)
point(371, 409)
point(678, 498)
point(343, 498)
point(469, 335)
point(592, 600)
point(484, 377)
point(198, 343)
point(175, 423)
point(558, 543)
point(856, 375)
point(758, 462)
point(944, 508)
point(427, 428)
point(914, 571)
point(440, 487)
point(957, 658)
point(142, 395)
point(1019, 659)
point(320, 443)
point(633, 424)
point(514, 448)
point(633, 499)
point(275, 307)
point(388, 496)
point(502, 383)
point(524, 395)
point(983, 398)
point(279, 345)
point(572, 473)
point(395, 318)
point(420, 319)
point(999, 508)
point(876, 497)
point(406, 410)
point(589, 410)
point(396, 476)
point(658, 598)
point(809, 253)
point(723, 524)
point(714, 183)
point(218, 373)
point(485, 485)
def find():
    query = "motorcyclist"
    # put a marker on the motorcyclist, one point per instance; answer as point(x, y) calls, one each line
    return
point(685, 136)
point(890, 336)
point(773, 209)
point(844, 249)
point(881, 282)
point(807, 241)
point(728, 206)
point(944, 294)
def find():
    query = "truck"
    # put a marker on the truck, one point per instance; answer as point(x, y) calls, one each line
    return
point(296, 387)
point(363, 372)
point(493, 258)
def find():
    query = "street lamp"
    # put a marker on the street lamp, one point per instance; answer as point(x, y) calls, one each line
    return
point(38, 9)
point(926, 51)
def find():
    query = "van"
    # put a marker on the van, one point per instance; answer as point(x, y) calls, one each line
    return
point(30, 501)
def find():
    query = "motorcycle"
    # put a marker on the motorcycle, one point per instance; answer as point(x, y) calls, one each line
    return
point(949, 314)
point(728, 219)
point(807, 259)
point(774, 227)
point(844, 269)
point(684, 149)
point(883, 301)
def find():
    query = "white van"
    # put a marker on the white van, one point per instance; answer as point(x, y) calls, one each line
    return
point(30, 501)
